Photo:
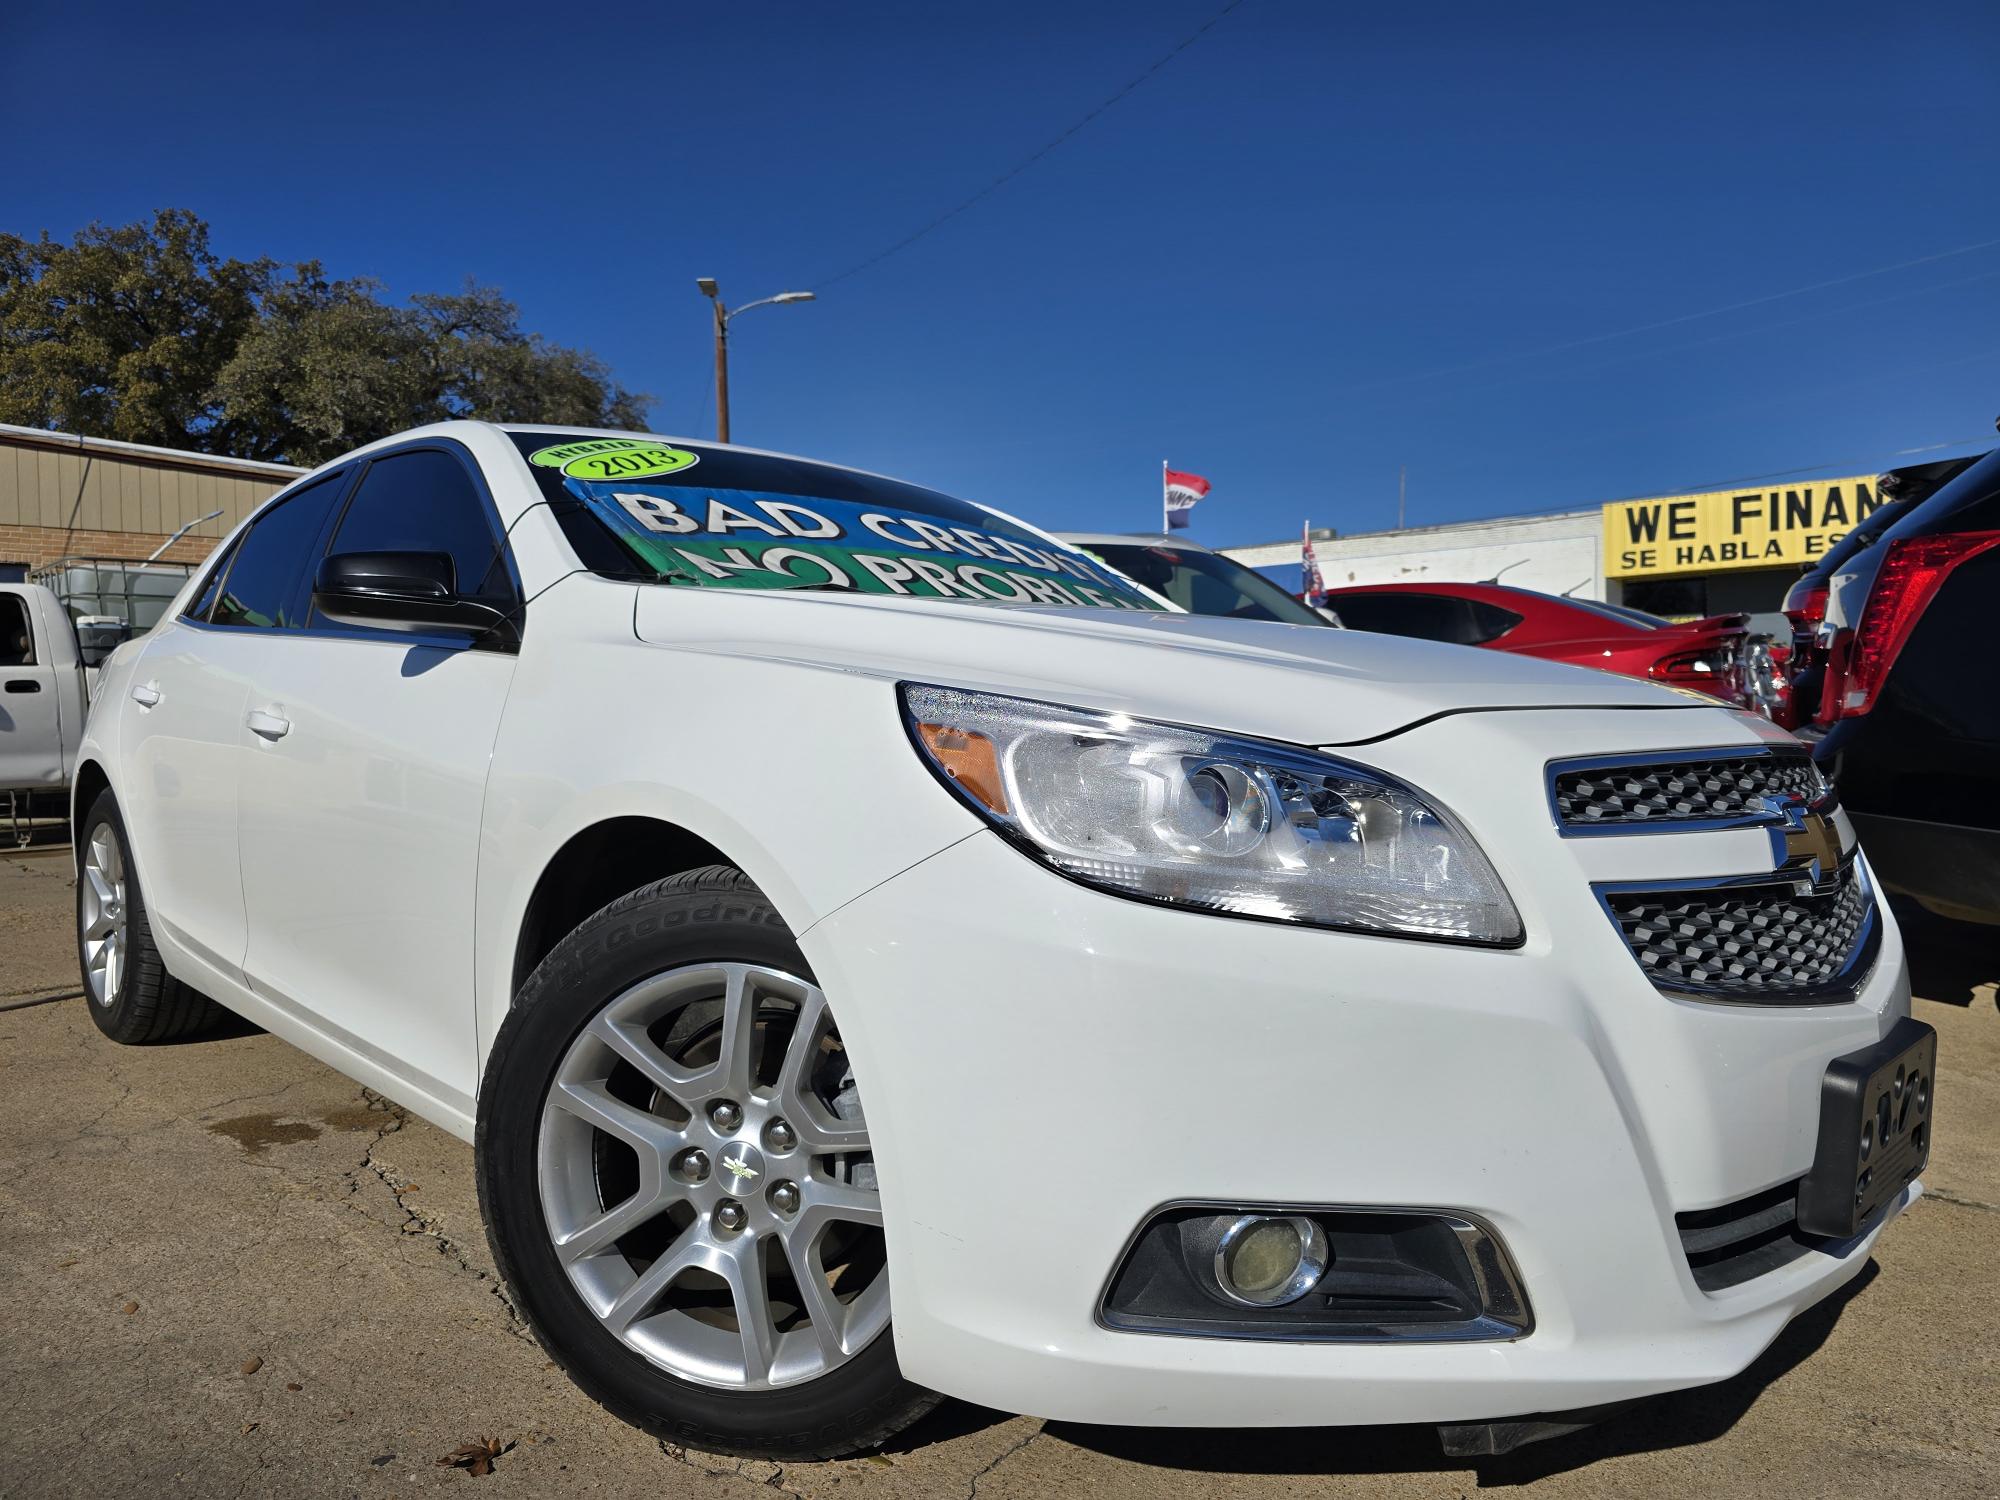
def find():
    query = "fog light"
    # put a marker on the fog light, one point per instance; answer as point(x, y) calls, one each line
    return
point(1267, 1262)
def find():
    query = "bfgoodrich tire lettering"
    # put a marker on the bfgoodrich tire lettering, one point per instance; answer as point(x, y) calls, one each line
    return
point(675, 1176)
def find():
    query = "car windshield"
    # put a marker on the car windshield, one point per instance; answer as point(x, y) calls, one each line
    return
point(717, 517)
point(1203, 583)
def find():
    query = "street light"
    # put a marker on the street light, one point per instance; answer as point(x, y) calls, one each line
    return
point(722, 317)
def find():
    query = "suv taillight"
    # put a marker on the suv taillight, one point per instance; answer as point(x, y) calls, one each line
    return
point(1806, 614)
point(1912, 572)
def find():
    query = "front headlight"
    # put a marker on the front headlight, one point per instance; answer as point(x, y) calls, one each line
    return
point(1239, 826)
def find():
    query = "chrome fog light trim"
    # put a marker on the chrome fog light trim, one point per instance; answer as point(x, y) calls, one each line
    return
point(1263, 1260)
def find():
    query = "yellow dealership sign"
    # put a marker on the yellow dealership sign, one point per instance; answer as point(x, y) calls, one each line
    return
point(1729, 529)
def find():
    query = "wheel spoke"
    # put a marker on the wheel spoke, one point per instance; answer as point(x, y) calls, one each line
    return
point(595, 1105)
point(821, 1307)
point(736, 1061)
point(743, 1267)
point(652, 1199)
point(837, 1202)
point(818, 1130)
point(644, 1292)
point(631, 1042)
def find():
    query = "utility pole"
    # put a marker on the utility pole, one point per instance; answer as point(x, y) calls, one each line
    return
point(721, 372)
point(1402, 487)
point(722, 317)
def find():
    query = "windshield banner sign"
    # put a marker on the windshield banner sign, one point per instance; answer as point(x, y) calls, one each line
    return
point(758, 540)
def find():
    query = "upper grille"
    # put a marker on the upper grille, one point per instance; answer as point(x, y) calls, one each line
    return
point(1715, 787)
point(1760, 943)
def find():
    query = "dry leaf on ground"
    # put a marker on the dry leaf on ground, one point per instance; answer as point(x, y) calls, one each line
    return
point(476, 1457)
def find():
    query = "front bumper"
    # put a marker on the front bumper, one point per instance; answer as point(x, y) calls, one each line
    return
point(1046, 1065)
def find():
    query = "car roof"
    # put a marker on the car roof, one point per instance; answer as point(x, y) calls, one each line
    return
point(1127, 539)
point(1493, 591)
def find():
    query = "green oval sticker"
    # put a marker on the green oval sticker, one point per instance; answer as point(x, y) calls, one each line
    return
point(614, 458)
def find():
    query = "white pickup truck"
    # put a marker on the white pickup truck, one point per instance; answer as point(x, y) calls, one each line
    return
point(43, 693)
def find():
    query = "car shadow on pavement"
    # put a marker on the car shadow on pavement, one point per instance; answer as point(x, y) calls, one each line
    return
point(1678, 1420)
point(1950, 961)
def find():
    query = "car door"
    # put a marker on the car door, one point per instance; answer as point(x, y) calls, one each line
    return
point(183, 738)
point(31, 738)
point(362, 791)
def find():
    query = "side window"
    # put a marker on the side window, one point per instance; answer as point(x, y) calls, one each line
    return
point(204, 599)
point(17, 641)
point(1425, 616)
point(264, 587)
point(1490, 622)
point(425, 501)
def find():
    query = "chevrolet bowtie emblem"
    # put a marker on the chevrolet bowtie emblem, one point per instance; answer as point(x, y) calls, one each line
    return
point(740, 1168)
point(1811, 839)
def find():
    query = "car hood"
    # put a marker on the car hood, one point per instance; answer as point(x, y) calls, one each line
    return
point(1286, 682)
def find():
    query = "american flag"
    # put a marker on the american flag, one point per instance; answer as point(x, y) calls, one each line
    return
point(1311, 585)
point(1178, 493)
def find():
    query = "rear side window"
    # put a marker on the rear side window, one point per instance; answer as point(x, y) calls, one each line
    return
point(425, 501)
point(265, 584)
point(1428, 617)
point(17, 641)
point(204, 601)
point(1490, 621)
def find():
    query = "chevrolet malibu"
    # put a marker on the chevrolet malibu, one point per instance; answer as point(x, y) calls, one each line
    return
point(875, 951)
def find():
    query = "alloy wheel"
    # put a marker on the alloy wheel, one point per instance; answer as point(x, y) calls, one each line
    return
point(101, 914)
point(706, 1180)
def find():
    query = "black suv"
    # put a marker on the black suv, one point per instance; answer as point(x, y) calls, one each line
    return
point(1912, 708)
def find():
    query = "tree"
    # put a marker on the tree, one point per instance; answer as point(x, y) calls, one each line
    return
point(142, 333)
point(122, 333)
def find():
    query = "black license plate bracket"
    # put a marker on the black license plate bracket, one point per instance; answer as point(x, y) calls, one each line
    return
point(1874, 1130)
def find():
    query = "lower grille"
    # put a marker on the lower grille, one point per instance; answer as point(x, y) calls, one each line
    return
point(1760, 941)
point(1741, 1241)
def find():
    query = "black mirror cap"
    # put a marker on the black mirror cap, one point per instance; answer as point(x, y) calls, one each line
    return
point(408, 591)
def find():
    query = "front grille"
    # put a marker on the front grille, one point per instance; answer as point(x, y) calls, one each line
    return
point(1740, 1241)
point(1635, 790)
point(1760, 942)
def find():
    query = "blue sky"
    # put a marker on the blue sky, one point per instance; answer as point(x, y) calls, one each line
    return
point(1322, 242)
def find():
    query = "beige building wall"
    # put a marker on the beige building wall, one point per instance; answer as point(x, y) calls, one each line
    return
point(68, 496)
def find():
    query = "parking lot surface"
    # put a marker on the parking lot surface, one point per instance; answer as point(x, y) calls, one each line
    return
point(225, 1269)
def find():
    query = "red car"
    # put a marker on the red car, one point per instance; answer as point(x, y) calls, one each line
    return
point(1713, 655)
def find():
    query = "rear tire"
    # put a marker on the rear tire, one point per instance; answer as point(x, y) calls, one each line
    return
point(133, 999)
point(684, 1003)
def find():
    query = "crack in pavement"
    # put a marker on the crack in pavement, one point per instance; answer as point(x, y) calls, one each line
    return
point(1944, 1195)
point(416, 1221)
point(747, 1469)
point(1006, 1453)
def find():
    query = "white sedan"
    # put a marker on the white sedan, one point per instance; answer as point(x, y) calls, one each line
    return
point(798, 884)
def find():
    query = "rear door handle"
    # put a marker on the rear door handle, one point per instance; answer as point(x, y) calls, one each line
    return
point(272, 726)
point(145, 694)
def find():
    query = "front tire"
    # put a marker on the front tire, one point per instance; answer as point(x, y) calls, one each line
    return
point(133, 999)
point(676, 1179)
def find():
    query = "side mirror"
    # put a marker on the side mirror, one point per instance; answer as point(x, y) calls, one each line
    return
point(409, 591)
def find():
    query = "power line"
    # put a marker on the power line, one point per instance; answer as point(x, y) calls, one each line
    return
point(1008, 176)
point(1712, 312)
point(1637, 356)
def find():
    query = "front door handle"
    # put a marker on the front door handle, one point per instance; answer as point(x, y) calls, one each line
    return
point(145, 694)
point(272, 726)
point(23, 685)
